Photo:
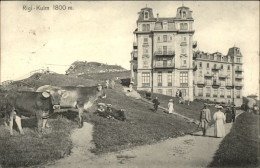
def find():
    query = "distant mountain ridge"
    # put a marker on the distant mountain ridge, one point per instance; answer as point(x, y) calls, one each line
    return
point(84, 67)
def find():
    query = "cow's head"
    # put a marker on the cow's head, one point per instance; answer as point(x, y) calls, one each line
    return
point(55, 96)
point(100, 92)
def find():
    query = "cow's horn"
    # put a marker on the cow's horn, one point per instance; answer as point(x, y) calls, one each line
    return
point(45, 94)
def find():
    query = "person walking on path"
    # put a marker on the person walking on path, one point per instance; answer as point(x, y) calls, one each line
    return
point(219, 118)
point(205, 118)
point(170, 106)
point(107, 83)
point(113, 84)
point(155, 103)
point(233, 111)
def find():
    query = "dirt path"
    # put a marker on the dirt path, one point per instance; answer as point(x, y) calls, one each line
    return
point(187, 151)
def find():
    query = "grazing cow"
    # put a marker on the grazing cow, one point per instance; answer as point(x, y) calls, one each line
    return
point(80, 98)
point(39, 104)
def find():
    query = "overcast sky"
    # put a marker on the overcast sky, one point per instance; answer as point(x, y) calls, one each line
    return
point(103, 32)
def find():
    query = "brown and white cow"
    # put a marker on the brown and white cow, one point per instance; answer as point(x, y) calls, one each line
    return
point(26, 103)
point(80, 98)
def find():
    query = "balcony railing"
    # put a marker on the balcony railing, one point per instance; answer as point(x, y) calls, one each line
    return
point(169, 84)
point(222, 96)
point(164, 53)
point(216, 83)
point(228, 96)
point(161, 64)
point(222, 76)
point(146, 84)
point(159, 84)
point(215, 68)
point(239, 69)
point(238, 84)
point(134, 45)
point(239, 76)
point(208, 75)
point(207, 95)
point(200, 94)
point(215, 95)
point(200, 82)
point(238, 96)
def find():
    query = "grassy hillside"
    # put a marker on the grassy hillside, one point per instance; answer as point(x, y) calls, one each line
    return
point(191, 111)
point(28, 150)
point(40, 79)
point(240, 148)
point(107, 75)
point(143, 126)
point(80, 67)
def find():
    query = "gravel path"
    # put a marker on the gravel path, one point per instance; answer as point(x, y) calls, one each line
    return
point(187, 151)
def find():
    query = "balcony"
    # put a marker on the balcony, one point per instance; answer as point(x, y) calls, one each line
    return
point(239, 76)
point(222, 96)
point(184, 85)
point(208, 75)
point(163, 64)
point(214, 95)
point(228, 96)
point(215, 68)
point(145, 84)
point(239, 84)
point(239, 69)
point(200, 94)
point(222, 76)
point(134, 45)
point(238, 96)
point(164, 53)
point(207, 94)
point(229, 85)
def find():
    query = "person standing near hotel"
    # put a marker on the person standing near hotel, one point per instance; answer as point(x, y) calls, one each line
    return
point(155, 103)
point(170, 106)
point(219, 118)
point(205, 118)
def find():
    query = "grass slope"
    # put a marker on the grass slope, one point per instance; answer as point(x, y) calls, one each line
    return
point(240, 148)
point(191, 111)
point(142, 126)
point(28, 150)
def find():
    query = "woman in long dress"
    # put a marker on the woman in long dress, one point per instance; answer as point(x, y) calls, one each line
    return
point(219, 118)
point(170, 106)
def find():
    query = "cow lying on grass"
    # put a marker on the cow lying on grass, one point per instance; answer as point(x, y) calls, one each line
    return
point(80, 98)
point(39, 104)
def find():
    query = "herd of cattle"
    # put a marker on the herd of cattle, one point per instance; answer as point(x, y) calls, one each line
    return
point(45, 100)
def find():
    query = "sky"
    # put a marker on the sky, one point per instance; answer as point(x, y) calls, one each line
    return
point(103, 32)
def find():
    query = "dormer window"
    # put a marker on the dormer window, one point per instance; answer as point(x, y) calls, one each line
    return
point(165, 25)
point(184, 14)
point(146, 15)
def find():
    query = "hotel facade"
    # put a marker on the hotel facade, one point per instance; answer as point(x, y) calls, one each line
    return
point(163, 60)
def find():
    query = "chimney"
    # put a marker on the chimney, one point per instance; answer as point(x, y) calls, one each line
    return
point(157, 17)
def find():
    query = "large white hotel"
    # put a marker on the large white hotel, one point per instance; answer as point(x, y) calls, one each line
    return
point(163, 60)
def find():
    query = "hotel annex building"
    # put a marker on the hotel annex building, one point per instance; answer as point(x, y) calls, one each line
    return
point(163, 60)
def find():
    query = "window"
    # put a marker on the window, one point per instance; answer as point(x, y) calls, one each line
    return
point(144, 27)
point(164, 38)
point(170, 38)
point(184, 15)
point(159, 78)
point(158, 39)
point(222, 66)
point(207, 65)
point(200, 92)
point(228, 93)
point(184, 62)
point(184, 39)
point(184, 92)
point(221, 92)
point(212, 57)
point(146, 79)
point(146, 15)
point(228, 81)
point(145, 63)
point(165, 25)
point(159, 91)
point(207, 92)
point(184, 77)
point(238, 60)
point(200, 64)
point(238, 93)
point(169, 78)
point(159, 50)
point(215, 93)
point(169, 92)
point(184, 26)
point(215, 66)
point(169, 62)
point(145, 50)
point(164, 49)
point(145, 40)
point(148, 27)
point(228, 67)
